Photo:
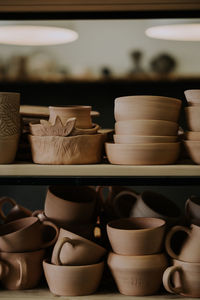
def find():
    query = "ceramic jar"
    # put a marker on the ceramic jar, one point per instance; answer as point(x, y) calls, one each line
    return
point(136, 236)
point(137, 275)
point(80, 112)
point(183, 278)
point(9, 126)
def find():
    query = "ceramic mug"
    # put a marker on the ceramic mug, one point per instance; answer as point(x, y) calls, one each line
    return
point(26, 234)
point(21, 270)
point(136, 236)
point(65, 205)
point(183, 278)
point(73, 280)
point(147, 204)
point(72, 249)
point(190, 244)
point(137, 275)
point(192, 208)
point(16, 212)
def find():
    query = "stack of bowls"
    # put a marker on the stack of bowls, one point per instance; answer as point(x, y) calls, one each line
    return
point(137, 262)
point(76, 265)
point(192, 112)
point(145, 131)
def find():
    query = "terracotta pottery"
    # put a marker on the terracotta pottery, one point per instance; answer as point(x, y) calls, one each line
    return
point(21, 270)
point(73, 280)
point(137, 275)
point(147, 204)
point(58, 150)
point(65, 205)
point(136, 236)
point(192, 117)
point(146, 127)
point(73, 250)
point(142, 139)
point(193, 97)
point(192, 208)
point(193, 149)
point(9, 126)
point(147, 107)
point(183, 278)
point(192, 135)
point(143, 154)
point(26, 234)
point(16, 212)
point(80, 112)
point(189, 245)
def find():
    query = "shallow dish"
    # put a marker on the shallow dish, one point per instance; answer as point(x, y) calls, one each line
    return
point(147, 107)
point(146, 127)
point(139, 139)
point(143, 154)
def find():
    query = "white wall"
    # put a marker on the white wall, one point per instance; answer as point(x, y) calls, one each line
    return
point(109, 42)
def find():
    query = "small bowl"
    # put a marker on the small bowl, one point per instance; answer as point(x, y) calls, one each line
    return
point(143, 154)
point(146, 127)
point(193, 97)
point(193, 149)
point(192, 114)
point(140, 139)
point(147, 107)
point(192, 135)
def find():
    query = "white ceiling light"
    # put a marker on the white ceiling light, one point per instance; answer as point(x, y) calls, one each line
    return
point(28, 35)
point(176, 32)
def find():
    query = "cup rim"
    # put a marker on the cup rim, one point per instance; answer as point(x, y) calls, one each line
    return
point(30, 222)
point(47, 262)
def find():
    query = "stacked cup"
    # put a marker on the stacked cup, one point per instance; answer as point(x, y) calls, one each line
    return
point(22, 244)
point(76, 265)
point(136, 262)
point(192, 112)
point(146, 131)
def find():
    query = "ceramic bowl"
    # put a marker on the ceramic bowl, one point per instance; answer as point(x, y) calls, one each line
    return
point(143, 154)
point(192, 114)
point(73, 280)
point(137, 275)
point(80, 112)
point(192, 135)
point(136, 236)
point(147, 107)
point(146, 127)
point(140, 139)
point(193, 149)
point(193, 97)
point(58, 150)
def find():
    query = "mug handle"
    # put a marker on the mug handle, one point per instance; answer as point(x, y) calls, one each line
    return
point(23, 274)
point(60, 244)
point(4, 200)
point(167, 279)
point(50, 224)
point(116, 199)
point(169, 237)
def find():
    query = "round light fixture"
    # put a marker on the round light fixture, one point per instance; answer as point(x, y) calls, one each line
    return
point(176, 32)
point(28, 35)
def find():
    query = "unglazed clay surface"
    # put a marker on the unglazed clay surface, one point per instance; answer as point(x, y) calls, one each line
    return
point(142, 139)
point(193, 149)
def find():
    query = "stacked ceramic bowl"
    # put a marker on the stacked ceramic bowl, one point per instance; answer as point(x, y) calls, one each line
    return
point(76, 266)
point(137, 262)
point(145, 131)
point(69, 137)
point(192, 112)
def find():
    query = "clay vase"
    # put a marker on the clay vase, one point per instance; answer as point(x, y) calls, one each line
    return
point(190, 245)
point(137, 275)
point(192, 209)
point(16, 212)
point(80, 112)
point(73, 250)
point(67, 205)
point(21, 270)
point(26, 234)
point(183, 278)
point(73, 280)
point(136, 236)
point(150, 204)
point(9, 126)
